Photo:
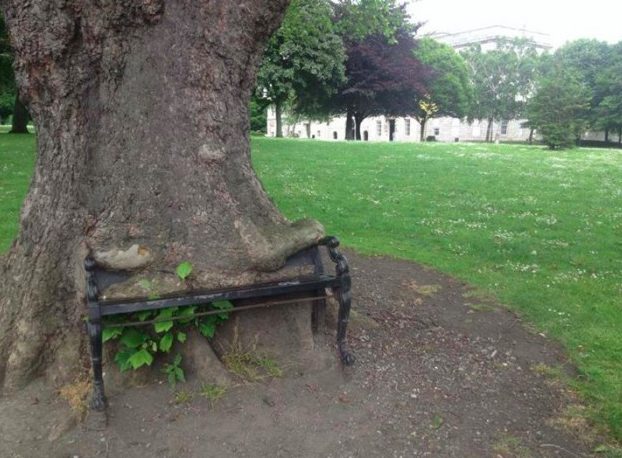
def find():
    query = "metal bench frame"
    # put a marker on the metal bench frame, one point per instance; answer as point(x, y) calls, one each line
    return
point(340, 284)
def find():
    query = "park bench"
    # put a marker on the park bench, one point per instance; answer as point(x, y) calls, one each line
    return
point(308, 288)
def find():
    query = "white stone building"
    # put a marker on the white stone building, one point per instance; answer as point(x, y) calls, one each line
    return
point(383, 128)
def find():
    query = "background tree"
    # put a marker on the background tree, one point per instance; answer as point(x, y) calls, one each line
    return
point(449, 89)
point(383, 76)
point(587, 59)
point(383, 79)
point(557, 107)
point(502, 80)
point(141, 109)
point(304, 61)
point(608, 112)
point(7, 78)
point(10, 103)
point(259, 118)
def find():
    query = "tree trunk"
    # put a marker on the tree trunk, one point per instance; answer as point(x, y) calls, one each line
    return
point(141, 110)
point(422, 122)
point(607, 135)
point(619, 135)
point(531, 131)
point(349, 125)
point(20, 118)
point(278, 113)
point(489, 130)
point(358, 120)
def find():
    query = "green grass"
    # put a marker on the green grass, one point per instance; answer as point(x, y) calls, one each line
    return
point(16, 165)
point(539, 230)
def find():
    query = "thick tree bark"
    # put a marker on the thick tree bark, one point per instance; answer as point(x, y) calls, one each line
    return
point(19, 125)
point(278, 114)
point(141, 108)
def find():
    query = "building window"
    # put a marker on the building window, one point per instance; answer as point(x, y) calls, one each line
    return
point(437, 131)
point(379, 128)
point(407, 127)
point(504, 127)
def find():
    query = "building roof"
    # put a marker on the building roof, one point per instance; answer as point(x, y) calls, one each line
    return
point(492, 34)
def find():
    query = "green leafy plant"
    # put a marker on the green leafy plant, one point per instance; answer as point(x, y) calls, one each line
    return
point(184, 270)
point(174, 372)
point(138, 346)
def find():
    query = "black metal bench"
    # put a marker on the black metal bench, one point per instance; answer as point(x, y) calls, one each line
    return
point(316, 285)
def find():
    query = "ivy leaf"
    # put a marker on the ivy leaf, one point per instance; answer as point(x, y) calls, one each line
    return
point(179, 374)
point(164, 326)
point(111, 333)
point(177, 360)
point(132, 338)
point(184, 270)
point(140, 358)
point(222, 305)
point(181, 337)
point(207, 329)
point(186, 314)
point(122, 359)
point(142, 316)
point(166, 342)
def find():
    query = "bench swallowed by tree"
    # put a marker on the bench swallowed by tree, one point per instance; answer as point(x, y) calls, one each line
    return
point(296, 290)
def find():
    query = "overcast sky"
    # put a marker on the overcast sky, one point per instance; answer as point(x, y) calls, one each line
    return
point(563, 20)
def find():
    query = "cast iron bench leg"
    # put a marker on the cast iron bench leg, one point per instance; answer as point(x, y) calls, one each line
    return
point(344, 294)
point(94, 328)
point(98, 399)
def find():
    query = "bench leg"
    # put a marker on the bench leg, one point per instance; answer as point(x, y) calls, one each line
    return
point(344, 295)
point(98, 399)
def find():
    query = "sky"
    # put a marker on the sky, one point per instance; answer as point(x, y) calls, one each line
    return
point(563, 20)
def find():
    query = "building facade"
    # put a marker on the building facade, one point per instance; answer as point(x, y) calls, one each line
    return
point(403, 129)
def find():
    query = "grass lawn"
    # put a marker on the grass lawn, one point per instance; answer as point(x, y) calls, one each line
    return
point(16, 166)
point(538, 229)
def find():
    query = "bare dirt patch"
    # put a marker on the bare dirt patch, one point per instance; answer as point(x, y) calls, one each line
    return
point(438, 373)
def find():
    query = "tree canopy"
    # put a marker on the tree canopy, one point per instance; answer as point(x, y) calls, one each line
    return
point(449, 89)
point(556, 108)
point(502, 79)
point(7, 78)
point(304, 60)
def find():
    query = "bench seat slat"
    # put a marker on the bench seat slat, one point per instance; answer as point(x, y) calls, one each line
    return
point(131, 305)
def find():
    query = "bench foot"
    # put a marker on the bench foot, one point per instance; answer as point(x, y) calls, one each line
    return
point(98, 398)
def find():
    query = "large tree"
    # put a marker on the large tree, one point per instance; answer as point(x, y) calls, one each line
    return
point(7, 78)
point(587, 59)
point(383, 76)
point(449, 90)
point(383, 79)
point(143, 161)
point(503, 79)
point(608, 111)
point(304, 61)
point(555, 110)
